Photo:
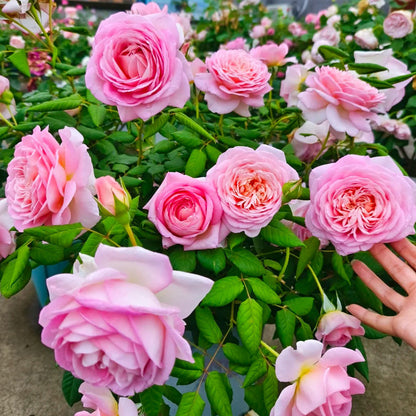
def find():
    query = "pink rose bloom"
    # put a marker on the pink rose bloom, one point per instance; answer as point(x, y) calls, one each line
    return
point(296, 29)
point(197, 66)
point(183, 20)
point(366, 38)
point(235, 81)
point(398, 24)
point(359, 201)
point(271, 53)
point(340, 97)
point(266, 22)
point(117, 321)
point(7, 240)
point(336, 328)
point(315, 18)
point(108, 191)
point(101, 400)
point(308, 140)
point(146, 9)
point(320, 383)
point(257, 32)
point(6, 110)
point(237, 43)
point(17, 42)
point(293, 84)
point(395, 68)
point(396, 128)
point(328, 34)
point(249, 184)
point(71, 12)
point(187, 211)
point(137, 66)
point(51, 183)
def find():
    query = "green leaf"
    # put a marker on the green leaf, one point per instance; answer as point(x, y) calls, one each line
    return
point(217, 394)
point(19, 60)
point(307, 253)
point(187, 372)
point(59, 104)
point(400, 78)
point(245, 261)
point(207, 326)
point(234, 240)
point(213, 260)
point(92, 243)
point(37, 97)
point(76, 72)
point(237, 354)
point(16, 274)
point(97, 113)
point(264, 292)
point(158, 123)
point(331, 52)
point(224, 291)
point(60, 235)
point(250, 324)
point(213, 153)
point(182, 260)
point(285, 326)
point(121, 137)
point(164, 146)
point(172, 394)
point(81, 30)
point(152, 400)
point(257, 369)
point(280, 235)
point(70, 386)
point(46, 254)
point(191, 405)
point(304, 332)
point(337, 262)
point(270, 389)
point(187, 139)
point(366, 68)
point(91, 134)
point(193, 125)
point(300, 306)
point(253, 396)
point(377, 83)
point(195, 165)
point(26, 126)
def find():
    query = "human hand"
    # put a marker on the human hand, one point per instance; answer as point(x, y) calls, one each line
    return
point(403, 324)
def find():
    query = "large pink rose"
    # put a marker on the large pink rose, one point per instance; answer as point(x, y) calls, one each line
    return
point(336, 328)
point(117, 321)
point(347, 102)
point(102, 401)
point(51, 183)
point(321, 384)
point(235, 80)
point(7, 240)
point(187, 211)
point(359, 201)
point(249, 184)
point(398, 24)
point(136, 65)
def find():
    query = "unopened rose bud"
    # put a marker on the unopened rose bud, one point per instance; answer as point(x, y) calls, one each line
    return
point(6, 97)
point(109, 192)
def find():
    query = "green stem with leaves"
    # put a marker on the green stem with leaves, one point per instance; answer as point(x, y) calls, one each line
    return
point(318, 283)
point(129, 232)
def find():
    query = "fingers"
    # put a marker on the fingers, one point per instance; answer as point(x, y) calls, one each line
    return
point(406, 250)
point(380, 322)
point(387, 295)
point(394, 266)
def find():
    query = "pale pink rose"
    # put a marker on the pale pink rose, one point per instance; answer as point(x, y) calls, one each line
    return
point(321, 384)
point(328, 34)
point(146, 9)
point(197, 66)
point(71, 12)
point(14, 7)
point(7, 237)
point(398, 24)
point(336, 328)
point(237, 43)
point(271, 53)
point(202, 35)
point(257, 32)
point(17, 42)
point(249, 184)
point(6, 110)
point(266, 22)
point(137, 66)
point(235, 81)
point(316, 57)
point(73, 37)
point(347, 102)
point(395, 68)
point(315, 18)
point(299, 207)
point(377, 3)
point(293, 84)
point(108, 191)
point(333, 20)
point(296, 29)
point(102, 401)
point(396, 128)
point(187, 211)
point(359, 201)
point(308, 140)
point(117, 321)
point(51, 183)
point(366, 38)
point(184, 21)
